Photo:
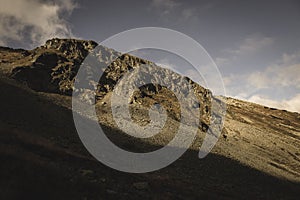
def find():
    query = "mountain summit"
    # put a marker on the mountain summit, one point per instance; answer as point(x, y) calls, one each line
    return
point(256, 157)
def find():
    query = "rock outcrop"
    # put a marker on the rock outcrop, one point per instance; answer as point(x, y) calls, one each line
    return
point(53, 67)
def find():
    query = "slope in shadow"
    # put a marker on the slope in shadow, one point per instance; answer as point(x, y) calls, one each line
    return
point(42, 157)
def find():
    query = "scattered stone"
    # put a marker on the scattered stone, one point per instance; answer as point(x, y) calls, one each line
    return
point(102, 180)
point(141, 185)
point(86, 172)
point(111, 191)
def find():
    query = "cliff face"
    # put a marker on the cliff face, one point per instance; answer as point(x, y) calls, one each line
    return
point(53, 67)
point(49, 68)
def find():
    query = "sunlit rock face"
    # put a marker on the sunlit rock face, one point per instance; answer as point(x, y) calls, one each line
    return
point(53, 67)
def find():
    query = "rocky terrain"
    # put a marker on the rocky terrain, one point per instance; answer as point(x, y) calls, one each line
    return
point(256, 157)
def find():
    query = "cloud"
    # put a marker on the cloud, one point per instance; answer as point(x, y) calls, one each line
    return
point(292, 104)
point(188, 13)
point(277, 81)
point(290, 58)
point(30, 23)
point(251, 45)
point(285, 73)
point(171, 11)
point(164, 6)
point(276, 76)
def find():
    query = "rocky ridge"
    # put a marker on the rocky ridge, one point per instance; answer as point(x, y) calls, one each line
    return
point(257, 153)
point(53, 67)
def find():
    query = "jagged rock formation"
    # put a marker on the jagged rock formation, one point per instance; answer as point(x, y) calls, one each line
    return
point(53, 67)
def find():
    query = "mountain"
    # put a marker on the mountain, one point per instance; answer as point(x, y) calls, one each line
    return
point(256, 157)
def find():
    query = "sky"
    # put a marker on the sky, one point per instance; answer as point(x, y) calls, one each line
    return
point(255, 44)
